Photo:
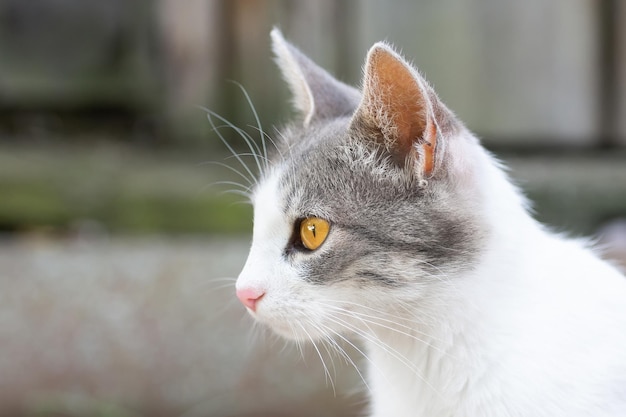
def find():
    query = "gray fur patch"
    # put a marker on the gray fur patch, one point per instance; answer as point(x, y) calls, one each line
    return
point(387, 228)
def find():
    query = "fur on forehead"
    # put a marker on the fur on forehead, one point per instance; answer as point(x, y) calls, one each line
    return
point(348, 149)
point(357, 153)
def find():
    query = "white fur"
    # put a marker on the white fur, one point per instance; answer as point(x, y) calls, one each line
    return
point(262, 271)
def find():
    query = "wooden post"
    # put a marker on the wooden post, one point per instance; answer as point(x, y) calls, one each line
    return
point(620, 52)
point(190, 42)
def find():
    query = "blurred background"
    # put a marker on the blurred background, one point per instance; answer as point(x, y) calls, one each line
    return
point(118, 248)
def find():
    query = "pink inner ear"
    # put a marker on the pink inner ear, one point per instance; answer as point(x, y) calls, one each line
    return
point(397, 104)
point(401, 98)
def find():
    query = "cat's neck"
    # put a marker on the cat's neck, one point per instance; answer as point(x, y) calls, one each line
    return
point(526, 297)
point(440, 350)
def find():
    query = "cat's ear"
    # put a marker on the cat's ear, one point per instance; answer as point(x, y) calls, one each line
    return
point(398, 109)
point(316, 94)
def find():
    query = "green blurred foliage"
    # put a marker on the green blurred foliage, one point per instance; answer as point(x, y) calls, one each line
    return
point(116, 189)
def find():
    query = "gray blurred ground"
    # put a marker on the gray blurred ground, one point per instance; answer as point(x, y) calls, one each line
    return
point(146, 327)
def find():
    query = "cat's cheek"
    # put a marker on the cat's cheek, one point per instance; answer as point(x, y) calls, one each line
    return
point(286, 306)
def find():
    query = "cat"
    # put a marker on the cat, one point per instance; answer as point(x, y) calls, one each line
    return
point(382, 217)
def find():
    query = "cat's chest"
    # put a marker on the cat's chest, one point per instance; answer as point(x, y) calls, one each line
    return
point(423, 375)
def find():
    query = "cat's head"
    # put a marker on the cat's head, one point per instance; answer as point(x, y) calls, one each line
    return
point(369, 208)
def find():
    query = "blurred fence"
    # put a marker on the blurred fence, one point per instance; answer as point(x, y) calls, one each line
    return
point(534, 72)
point(529, 77)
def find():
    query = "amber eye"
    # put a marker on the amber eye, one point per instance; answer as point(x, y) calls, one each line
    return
point(313, 232)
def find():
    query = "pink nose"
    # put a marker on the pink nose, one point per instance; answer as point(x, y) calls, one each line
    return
point(250, 296)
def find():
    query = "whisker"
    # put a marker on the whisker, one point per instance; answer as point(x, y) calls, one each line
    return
point(395, 322)
point(261, 157)
point(445, 278)
point(333, 303)
point(230, 281)
point(297, 342)
point(233, 183)
point(217, 314)
point(269, 138)
point(345, 354)
point(221, 287)
point(210, 116)
point(388, 349)
point(256, 333)
point(324, 345)
point(250, 181)
point(252, 146)
point(411, 336)
point(242, 193)
point(256, 117)
point(326, 371)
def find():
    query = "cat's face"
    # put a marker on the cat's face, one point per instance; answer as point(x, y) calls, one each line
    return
point(350, 222)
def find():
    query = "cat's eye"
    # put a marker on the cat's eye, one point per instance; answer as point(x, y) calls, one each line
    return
point(313, 232)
